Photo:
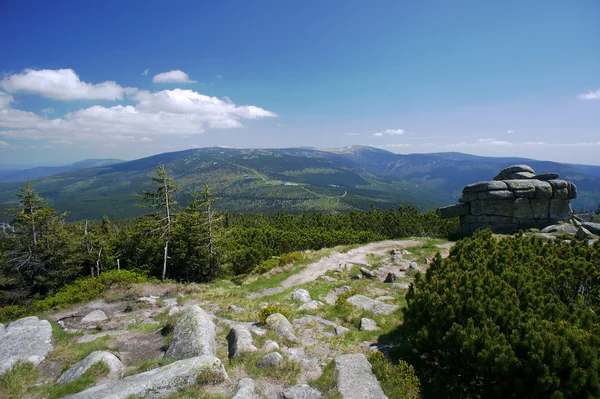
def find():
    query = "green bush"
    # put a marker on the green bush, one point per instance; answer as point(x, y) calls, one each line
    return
point(397, 381)
point(268, 311)
point(342, 298)
point(510, 317)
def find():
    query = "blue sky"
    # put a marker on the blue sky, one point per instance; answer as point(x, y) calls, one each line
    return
point(129, 79)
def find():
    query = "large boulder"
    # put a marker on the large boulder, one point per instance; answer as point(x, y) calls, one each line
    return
point(592, 227)
point(26, 340)
point(372, 305)
point(194, 335)
point(485, 186)
point(246, 389)
point(282, 327)
point(270, 360)
point(302, 295)
point(158, 382)
point(356, 379)
point(113, 363)
point(239, 341)
point(515, 170)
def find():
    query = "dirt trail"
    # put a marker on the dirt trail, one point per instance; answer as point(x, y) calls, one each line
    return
point(356, 256)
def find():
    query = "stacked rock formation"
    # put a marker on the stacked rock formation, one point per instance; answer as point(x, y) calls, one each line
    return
point(517, 198)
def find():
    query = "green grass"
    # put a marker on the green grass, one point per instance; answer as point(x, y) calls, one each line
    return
point(68, 351)
point(285, 373)
point(326, 383)
point(15, 382)
point(88, 379)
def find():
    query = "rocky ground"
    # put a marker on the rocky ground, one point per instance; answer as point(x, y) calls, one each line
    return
point(283, 334)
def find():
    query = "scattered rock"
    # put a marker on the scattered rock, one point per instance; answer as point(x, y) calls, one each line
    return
point(78, 369)
point(173, 310)
point(236, 309)
point(384, 298)
point(357, 276)
point(327, 278)
point(406, 252)
point(391, 277)
point(94, 317)
point(367, 273)
point(158, 382)
point(194, 335)
point(151, 299)
point(356, 379)
point(271, 346)
point(270, 360)
point(27, 340)
point(314, 304)
point(246, 389)
point(301, 392)
point(592, 227)
point(93, 337)
point(368, 324)
point(239, 341)
point(413, 266)
point(561, 228)
point(341, 330)
point(281, 326)
point(427, 261)
point(302, 295)
point(372, 305)
point(401, 286)
point(583, 234)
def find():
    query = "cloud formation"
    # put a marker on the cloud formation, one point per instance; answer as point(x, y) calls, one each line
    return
point(175, 76)
point(390, 132)
point(590, 95)
point(61, 84)
point(5, 99)
point(145, 72)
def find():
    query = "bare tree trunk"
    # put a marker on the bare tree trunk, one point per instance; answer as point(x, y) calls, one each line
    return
point(88, 246)
point(33, 233)
point(164, 272)
point(98, 263)
point(118, 264)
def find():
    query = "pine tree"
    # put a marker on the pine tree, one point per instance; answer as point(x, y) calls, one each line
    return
point(163, 204)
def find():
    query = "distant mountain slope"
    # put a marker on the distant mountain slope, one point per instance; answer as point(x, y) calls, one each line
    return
point(450, 172)
point(11, 175)
point(245, 180)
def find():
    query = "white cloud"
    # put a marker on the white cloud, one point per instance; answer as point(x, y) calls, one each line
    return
point(48, 110)
point(4, 144)
point(62, 84)
point(590, 95)
point(390, 132)
point(146, 139)
point(165, 112)
point(5, 99)
point(145, 72)
point(175, 76)
point(510, 131)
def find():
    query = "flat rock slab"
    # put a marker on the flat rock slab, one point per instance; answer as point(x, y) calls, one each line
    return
point(94, 317)
point(246, 389)
point(356, 379)
point(194, 335)
point(372, 305)
point(282, 327)
point(158, 382)
point(113, 363)
point(93, 337)
point(27, 340)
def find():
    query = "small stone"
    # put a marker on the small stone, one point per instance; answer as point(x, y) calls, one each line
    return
point(367, 273)
point(246, 389)
point(427, 261)
point(413, 266)
point(357, 277)
point(372, 305)
point(239, 341)
point(94, 317)
point(270, 360)
point(391, 277)
point(281, 326)
point(61, 323)
point(341, 330)
point(302, 295)
point(583, 234)
point(314, 304)
point(173, 310)
point(368, 324)
point(327, 278)
point(271, 346)
point(236, 309)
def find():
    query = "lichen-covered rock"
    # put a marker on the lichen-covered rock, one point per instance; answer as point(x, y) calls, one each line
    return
point(592, 227)
point(301, 392)
point(302, 295)
point(194, 335)
point(372, 305)
point(113, 363)
point(485, 186)
point(564, 228)
point(282, 327)
point(271, 346)
point(312, 305)
point(26, 340)
point(239, 341)
point(367, 273)
point(368, 324)
point(341, 330)
point(356, 379)
point(158, 382)
point(270, 360)
point(246, 389)
point(515, 170)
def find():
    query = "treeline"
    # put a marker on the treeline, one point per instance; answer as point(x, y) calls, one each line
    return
point(41, 252)
point(511, 317)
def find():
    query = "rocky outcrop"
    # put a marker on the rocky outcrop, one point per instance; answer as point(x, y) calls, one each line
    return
point(239, 341)
point(94, 317)
point(282, 327)
point(372, 305)
point(113, 363)
point(26, 340)
point(194, 335)
point(356, 379)
point(158, 382)
point(517, 198)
